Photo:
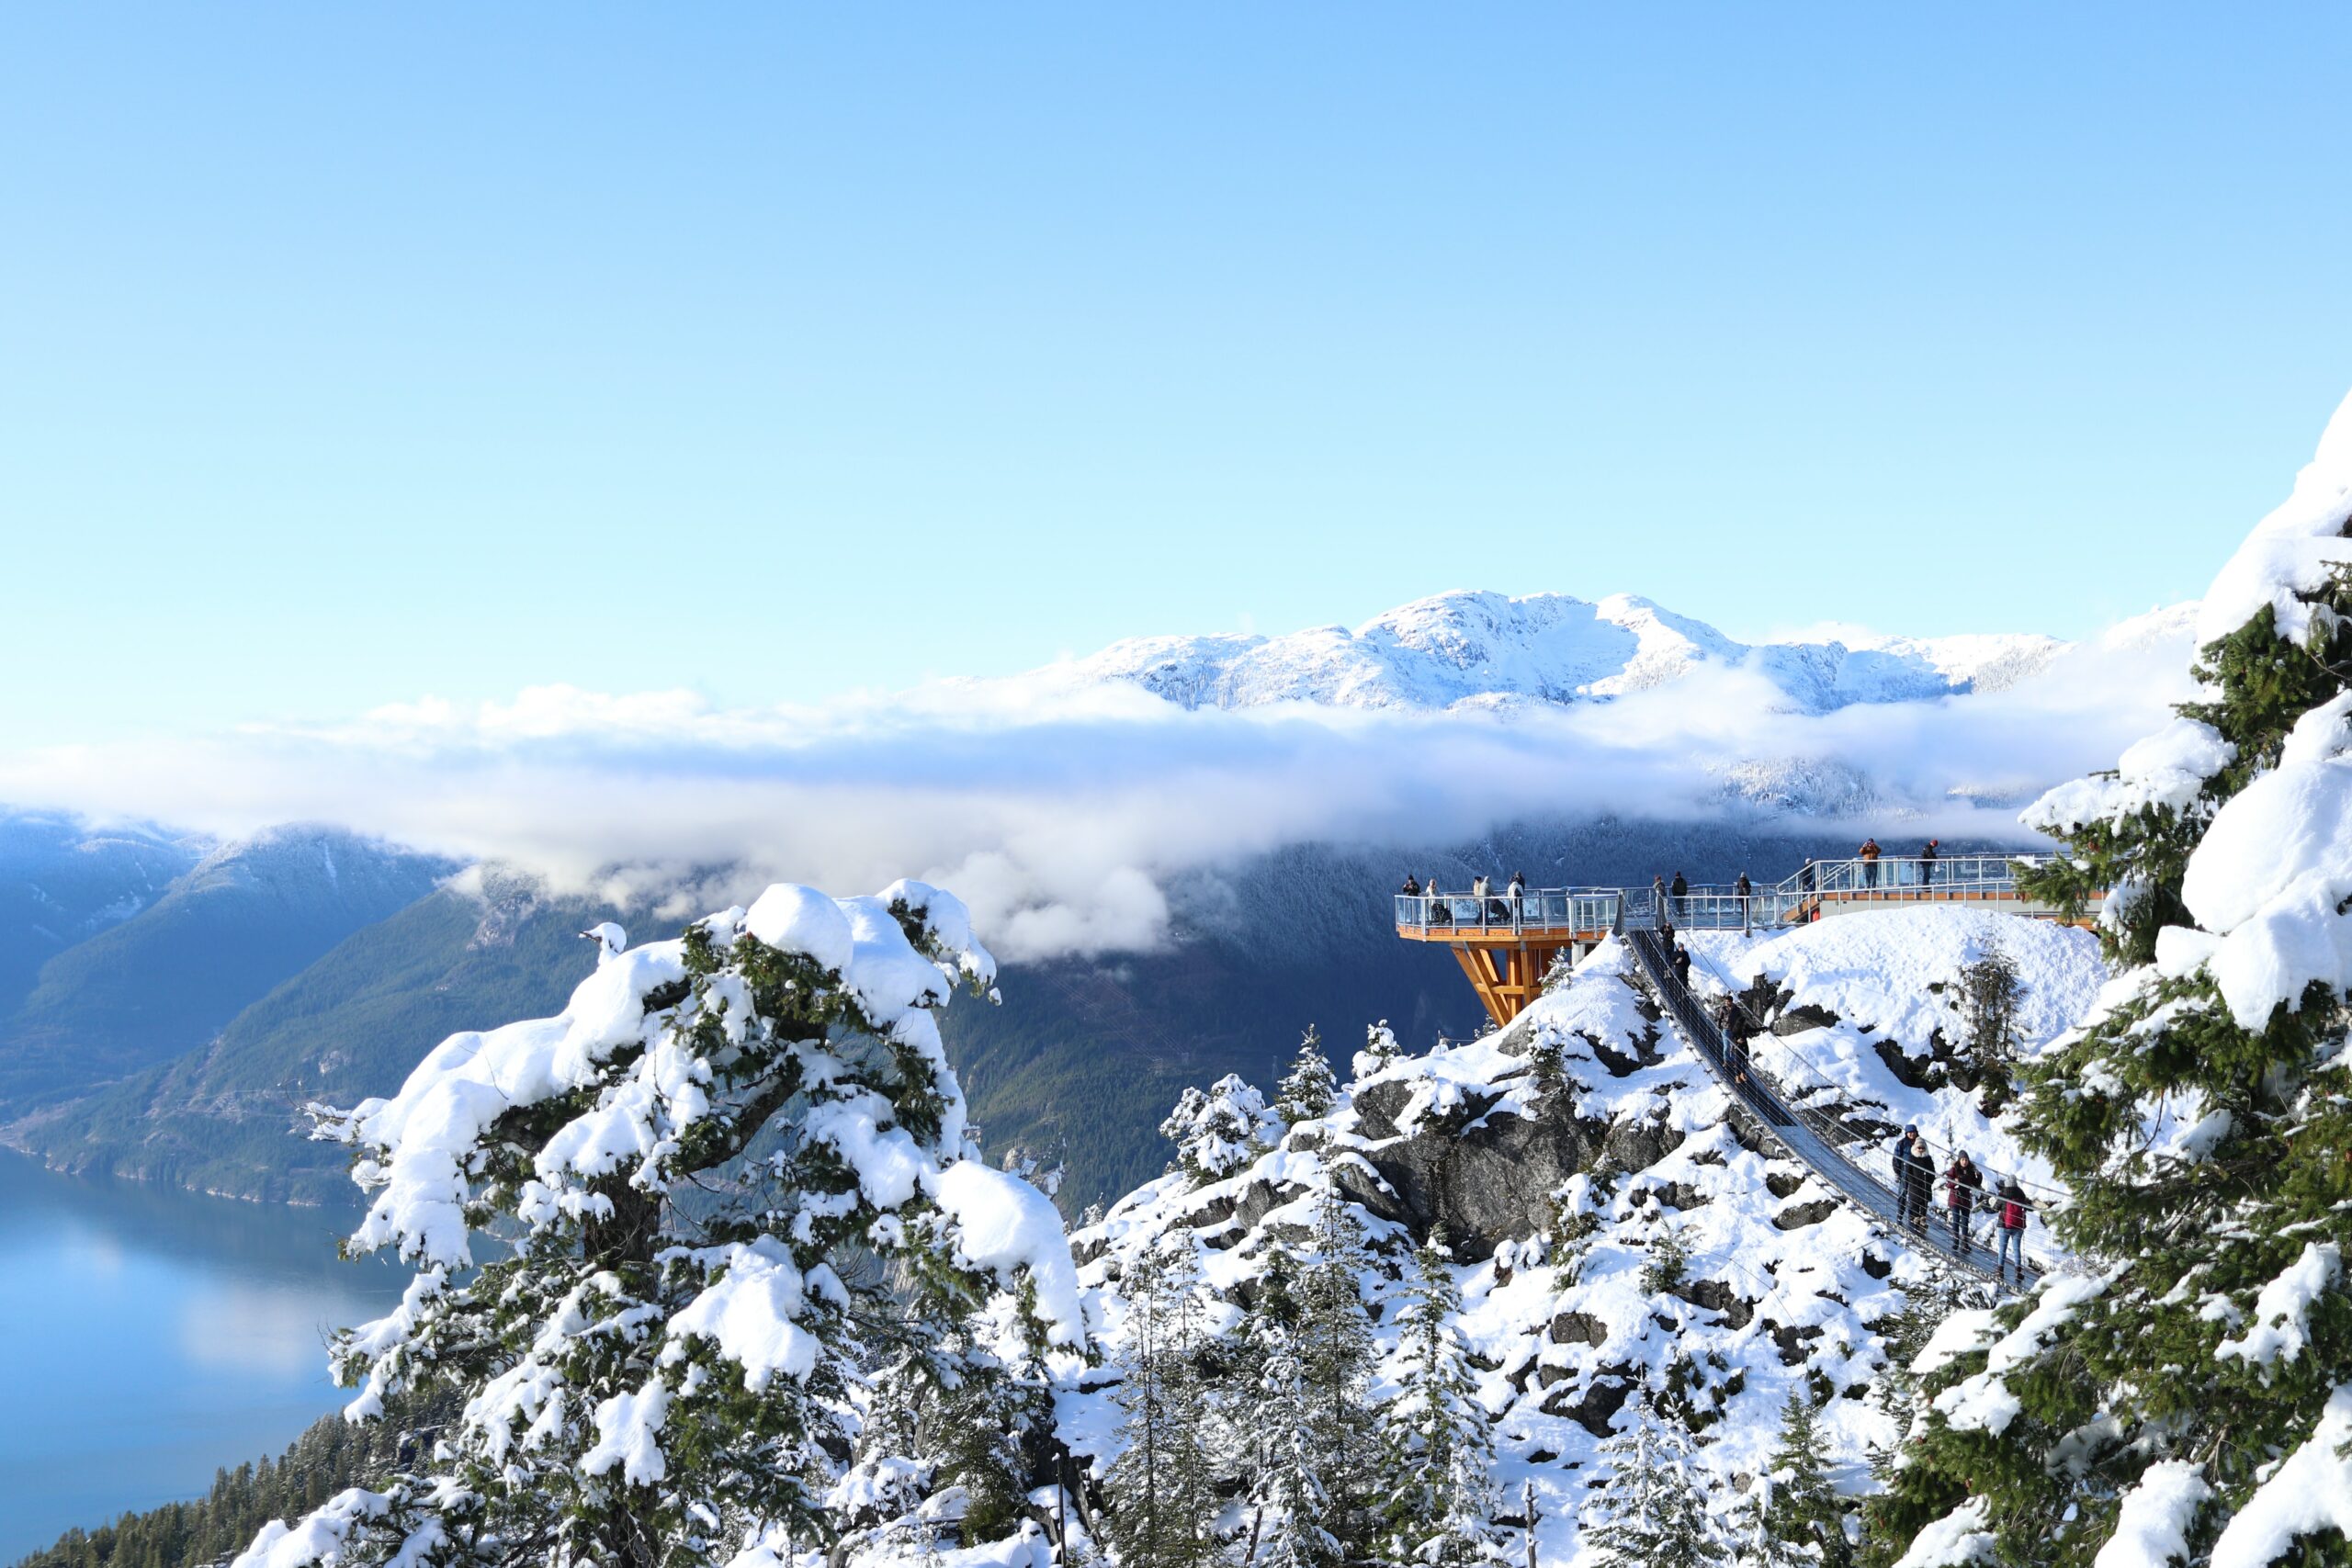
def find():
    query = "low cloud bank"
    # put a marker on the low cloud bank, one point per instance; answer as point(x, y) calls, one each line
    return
point(1059, 814)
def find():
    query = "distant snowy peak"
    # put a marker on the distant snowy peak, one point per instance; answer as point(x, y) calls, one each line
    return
point(1481, 650)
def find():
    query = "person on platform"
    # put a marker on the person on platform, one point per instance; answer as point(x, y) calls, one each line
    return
point(1681, 897)
point(1411, 890)
point(1868, 854)
point(1927, 863)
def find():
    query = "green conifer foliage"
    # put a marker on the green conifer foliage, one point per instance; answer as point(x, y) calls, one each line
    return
point(1648, 1509)
point(1163, 1488)
point(1792, 1517)
point(1335, 1349)
point(2207, 1327)
point(660, 1359)
point(1440, 1500)
point(1309, 1089)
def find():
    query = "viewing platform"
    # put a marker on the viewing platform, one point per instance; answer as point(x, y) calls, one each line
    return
point(1507, 942)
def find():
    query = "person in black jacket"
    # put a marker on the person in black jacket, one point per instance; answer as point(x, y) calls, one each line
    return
point(1681, 891)
point(1927, 864)
point(1902, 1162)
point(1915, 1173)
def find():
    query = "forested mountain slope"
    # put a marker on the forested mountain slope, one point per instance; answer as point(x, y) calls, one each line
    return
point(164, 981)
point(62, 881)
point(227, 1117)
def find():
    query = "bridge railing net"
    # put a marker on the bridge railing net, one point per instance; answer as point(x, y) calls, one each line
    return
point(1848, 1158)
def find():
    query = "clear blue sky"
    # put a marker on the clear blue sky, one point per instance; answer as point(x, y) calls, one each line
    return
point(349, 354)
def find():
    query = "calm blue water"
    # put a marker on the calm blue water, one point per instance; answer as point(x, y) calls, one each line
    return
point(148, 1337)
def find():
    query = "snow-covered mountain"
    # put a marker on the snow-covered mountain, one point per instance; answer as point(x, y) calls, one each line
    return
point(1472, 649)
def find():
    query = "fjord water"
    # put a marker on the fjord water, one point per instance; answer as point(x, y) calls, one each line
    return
point(150, 1336)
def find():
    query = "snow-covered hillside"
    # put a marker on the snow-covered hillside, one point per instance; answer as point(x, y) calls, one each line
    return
point(1783, 1284)
point(1485, 650)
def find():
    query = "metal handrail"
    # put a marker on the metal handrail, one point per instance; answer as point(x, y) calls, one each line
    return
point(1718, 906)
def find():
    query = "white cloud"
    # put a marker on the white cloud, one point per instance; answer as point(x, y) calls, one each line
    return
point(1058, 812)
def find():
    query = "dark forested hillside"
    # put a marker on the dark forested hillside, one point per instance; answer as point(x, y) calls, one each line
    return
point(165, 981)
point(228, 1119)
point(330, 1456)
point(62, 881)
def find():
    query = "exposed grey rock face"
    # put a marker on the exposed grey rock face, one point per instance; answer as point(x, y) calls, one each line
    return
point(1716, 1296)
point(1796, 1216)
point(1596, 1404)
point(1488, 1180)
point(1579, 1328)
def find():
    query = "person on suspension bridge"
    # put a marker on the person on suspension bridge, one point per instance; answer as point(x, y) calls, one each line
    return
point(1680, 956)
point(2009, 1218)
point(1912, 1172)
point(1737, 1030)
point(1963, 1191)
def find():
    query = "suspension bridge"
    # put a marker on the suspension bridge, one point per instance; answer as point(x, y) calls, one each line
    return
point(1506, 941)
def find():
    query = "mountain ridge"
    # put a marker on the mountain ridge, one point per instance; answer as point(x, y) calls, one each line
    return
point(1475, 647)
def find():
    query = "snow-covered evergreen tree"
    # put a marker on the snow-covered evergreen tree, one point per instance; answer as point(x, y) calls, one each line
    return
point(2189, 1391)
point(1648, 1509)
point(1575, 1224)
point(692, 1172)
point(1792, 1517)
point(1308, 1090)
point(1335, 1346)
point(1547, 1067)
point(1218, 1131)
point(1162, 1487)
point(1439, 1468)
point(1287, 1485)
point(1380, 1050)
point(1670, 1258)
